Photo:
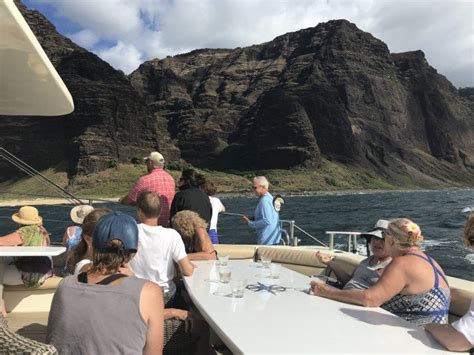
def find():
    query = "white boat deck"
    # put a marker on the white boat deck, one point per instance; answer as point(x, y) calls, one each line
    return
point(29, 324)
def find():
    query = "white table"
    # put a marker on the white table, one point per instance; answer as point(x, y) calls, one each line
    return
point(295, 322)
point(31, 251)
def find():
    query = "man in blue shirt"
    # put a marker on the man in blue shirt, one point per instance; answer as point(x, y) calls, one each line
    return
point(266, 221)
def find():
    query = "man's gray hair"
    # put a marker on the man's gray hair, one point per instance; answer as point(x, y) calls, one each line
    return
point(262, 181)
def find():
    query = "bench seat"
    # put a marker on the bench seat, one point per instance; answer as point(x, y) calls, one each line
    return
point(23, 299)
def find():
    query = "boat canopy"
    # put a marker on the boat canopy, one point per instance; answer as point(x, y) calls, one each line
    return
point(29, 84)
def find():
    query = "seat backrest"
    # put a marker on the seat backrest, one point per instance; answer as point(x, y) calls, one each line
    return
point(236, 251)
point(303, 261)
point(462, 293)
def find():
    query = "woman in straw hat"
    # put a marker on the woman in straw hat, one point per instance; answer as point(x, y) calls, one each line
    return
point(22, 270)
point(413, 286)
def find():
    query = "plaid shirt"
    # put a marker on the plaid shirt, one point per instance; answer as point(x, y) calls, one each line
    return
point(163, 184)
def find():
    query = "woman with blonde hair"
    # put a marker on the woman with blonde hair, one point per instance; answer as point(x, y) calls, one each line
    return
point(413, 286)
point(192, 229)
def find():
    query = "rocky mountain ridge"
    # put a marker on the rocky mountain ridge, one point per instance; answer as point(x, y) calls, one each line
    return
point(332, 91)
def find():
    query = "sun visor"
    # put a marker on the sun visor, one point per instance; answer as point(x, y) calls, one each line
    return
point(29, 84)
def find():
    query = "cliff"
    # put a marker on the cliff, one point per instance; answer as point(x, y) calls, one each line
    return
point(110, 123)
point(330, 91)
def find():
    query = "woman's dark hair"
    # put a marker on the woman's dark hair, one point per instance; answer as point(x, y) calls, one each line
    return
point(88, 226)
point(189, 177)
point(206, 185)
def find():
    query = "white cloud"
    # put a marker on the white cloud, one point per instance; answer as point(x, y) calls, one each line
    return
point(122, 56)
point(443, 29)
point(85, 38)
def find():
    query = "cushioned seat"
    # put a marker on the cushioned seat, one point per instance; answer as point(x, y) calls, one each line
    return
point(24, 299)
point(236, 251)
point(303, 261)
point(461, 295)
point(176, 339)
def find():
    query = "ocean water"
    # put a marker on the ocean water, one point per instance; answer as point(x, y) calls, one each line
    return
point(437, 212)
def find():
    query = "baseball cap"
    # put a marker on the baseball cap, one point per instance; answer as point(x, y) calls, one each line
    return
point(115, 226)
point(156, 158)
point(379, 228)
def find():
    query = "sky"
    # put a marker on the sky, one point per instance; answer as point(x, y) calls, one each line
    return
point(126, 33)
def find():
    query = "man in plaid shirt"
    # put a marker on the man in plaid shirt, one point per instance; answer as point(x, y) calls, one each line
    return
point(157, 180)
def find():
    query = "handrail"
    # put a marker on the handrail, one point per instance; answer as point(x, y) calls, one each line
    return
point(309, 235)
point(287, 237)
point(292, 240)
point(352, 244)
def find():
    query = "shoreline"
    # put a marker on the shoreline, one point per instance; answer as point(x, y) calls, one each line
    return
point(52, 201)
point(98, 200)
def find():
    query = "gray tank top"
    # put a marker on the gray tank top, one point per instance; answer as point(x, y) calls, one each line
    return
point(364, 276)
point(97, 319)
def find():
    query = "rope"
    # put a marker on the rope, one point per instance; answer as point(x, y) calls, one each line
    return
point(21, 165)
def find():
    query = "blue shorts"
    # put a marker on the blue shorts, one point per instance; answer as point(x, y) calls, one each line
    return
point(214, 236)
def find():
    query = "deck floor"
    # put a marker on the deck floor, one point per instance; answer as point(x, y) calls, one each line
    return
point(33, 325)
point(29, 324)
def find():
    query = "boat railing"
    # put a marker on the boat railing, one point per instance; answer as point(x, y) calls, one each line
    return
point(352, 244)
point(289, 238)
point(289, 233)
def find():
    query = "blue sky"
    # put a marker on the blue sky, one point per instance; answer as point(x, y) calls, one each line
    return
point(125, 33)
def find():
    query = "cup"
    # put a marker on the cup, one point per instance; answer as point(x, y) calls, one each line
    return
point(237, 287)
point(319, 278)
point(223, 260)
point(224, 274)
point(266, 261)
point(275, 271)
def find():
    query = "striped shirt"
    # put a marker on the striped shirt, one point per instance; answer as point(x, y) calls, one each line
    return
point(163, 184)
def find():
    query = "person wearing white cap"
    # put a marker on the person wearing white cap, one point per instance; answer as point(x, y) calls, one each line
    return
point(157, 180)
point(370, 269)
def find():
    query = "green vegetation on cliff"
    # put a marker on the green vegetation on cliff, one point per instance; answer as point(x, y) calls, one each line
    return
point(117, 181)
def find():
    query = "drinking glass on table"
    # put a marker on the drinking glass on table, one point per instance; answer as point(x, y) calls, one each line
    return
point(223, 260)
point(319, 278)
point(275, 270)
point(266, 261)
point(224, 274)
point(237, 287)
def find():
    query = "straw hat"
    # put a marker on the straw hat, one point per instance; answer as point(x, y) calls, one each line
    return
point(80, 212)
point(27, 215)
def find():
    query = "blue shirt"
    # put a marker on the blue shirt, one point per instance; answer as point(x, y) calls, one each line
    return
point(266, 222)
